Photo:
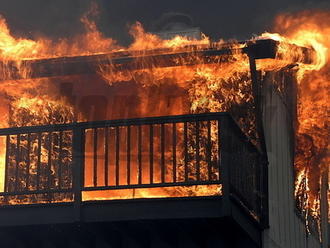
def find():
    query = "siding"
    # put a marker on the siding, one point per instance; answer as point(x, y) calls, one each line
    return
point(286, 230)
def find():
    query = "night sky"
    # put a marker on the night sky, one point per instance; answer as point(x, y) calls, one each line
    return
point(238, 19)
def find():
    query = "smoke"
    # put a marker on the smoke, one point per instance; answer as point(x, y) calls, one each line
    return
point(61, 18)
point(48, 18)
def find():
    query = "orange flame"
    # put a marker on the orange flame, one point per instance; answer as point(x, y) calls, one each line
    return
point(203, 82)
point(311, 29)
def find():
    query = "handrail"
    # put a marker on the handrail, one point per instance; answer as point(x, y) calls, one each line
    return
point(119, 122)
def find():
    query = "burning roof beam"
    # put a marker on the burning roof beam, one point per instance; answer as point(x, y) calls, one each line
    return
point(135, 60)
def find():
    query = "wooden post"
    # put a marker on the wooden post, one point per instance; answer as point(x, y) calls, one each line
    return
point(224, 149)
point(78, 143)
point(256, 91)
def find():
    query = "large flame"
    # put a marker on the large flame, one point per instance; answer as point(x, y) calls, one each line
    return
point(220, 87)
point(311, 29)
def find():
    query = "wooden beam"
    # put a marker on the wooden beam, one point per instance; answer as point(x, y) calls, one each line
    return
point(135, 60)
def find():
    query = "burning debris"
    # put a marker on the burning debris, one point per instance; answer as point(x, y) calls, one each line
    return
point(215, 76)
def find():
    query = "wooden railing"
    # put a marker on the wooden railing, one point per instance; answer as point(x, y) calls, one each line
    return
point(58, 163)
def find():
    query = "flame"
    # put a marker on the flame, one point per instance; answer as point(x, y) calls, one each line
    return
point(37, 102)
point(310, 29)
point(12, 48)
point(92, 41)
point(203, 82)
point(146, 41)
point(211, 87)
point(160, 192)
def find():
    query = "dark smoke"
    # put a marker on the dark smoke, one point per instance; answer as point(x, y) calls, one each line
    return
point(238, 19)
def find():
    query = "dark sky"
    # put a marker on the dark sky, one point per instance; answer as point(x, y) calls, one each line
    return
point(227, 19)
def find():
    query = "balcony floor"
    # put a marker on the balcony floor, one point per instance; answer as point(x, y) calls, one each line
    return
point(180, 209)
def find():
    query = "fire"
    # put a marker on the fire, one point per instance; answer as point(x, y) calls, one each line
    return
point(202, 82)
point(146, 41)
point(90, 42)
point(178, 191)
point(12, 48)
point(37, 102)
point(310, 29)
point(211, 87)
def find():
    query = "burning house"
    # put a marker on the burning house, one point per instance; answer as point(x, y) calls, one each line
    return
point(173, 142)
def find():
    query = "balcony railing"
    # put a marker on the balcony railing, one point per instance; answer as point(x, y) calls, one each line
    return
point(171, 156)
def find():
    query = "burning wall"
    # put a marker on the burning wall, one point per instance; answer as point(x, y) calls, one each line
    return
point(312, 140)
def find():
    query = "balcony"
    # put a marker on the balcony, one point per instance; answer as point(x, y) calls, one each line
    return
point(171, 167)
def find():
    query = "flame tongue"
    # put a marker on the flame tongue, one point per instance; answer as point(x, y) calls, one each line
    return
point(12, 48)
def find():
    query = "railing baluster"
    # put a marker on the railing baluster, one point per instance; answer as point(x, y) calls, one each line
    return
point(39, 161)
point(174, 150)
point(106, 155)
point(151, 153)
point(128, 153)
point(209, 151)
point(117, 154)
point(60, 162)
point(162, 151)
point(221, 153)
point(17, 160)
point(198, 169)
point(69, 166)
point(139, 154)
point(185, 141)
point(7, 162)
point(27, 182)
point(95, 158)
point(49, 169)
